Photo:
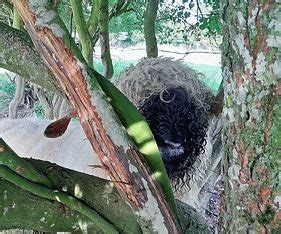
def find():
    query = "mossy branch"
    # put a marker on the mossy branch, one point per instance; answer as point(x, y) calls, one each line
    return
point(9, 159)
point(94, 17)
point(55, 195)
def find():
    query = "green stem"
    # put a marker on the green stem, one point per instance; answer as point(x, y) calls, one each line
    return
point(83, 33)
point(16, 19)
point(94, 17)
point(10, 159)
point(55, 195)
point(104, 40)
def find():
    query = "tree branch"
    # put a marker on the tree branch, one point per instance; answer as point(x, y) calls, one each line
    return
point(61, 197)
point(82, 30)
point(18, 55)
point(10, 160)
point(51, 39)
point(134, 122)
point(149, 28)
point(81, 189)
point(104, 39)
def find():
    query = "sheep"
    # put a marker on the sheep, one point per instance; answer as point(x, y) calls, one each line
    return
point(176, 105)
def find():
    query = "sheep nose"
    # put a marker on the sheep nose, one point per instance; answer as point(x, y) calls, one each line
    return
point(172, 144)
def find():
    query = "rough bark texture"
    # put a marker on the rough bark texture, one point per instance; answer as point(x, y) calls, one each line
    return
point(19, 94)
point(108, 138)
point(149, 28)
point(18, 55)
point(104, 39)
point(251, 67)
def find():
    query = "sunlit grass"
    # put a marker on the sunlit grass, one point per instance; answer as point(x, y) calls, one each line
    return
point(212, 73)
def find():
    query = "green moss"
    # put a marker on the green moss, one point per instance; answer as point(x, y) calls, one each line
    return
point(252, 37)
point(270, 56)
point(248, 217)
point(276, 230)
point(267, 216)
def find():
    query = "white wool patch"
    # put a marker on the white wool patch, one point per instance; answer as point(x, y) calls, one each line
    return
point(72, 150)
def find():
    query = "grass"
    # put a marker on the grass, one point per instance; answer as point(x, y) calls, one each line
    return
point(212, 73)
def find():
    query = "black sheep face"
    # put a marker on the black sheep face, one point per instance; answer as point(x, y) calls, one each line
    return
point(179, 123)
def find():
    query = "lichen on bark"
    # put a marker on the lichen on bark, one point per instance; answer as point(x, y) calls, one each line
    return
point(250, 80)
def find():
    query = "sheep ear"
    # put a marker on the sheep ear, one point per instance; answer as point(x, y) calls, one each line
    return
point(58, 127)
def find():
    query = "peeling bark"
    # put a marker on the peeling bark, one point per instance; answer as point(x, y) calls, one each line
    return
point(251, 67)
point(102, 127)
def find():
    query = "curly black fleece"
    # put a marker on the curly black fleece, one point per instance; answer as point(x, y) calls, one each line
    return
point(179, 123)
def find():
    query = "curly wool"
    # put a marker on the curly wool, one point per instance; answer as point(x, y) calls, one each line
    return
point(153, 75)
point(147, 83)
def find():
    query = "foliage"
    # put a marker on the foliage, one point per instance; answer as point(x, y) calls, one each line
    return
point(7, 86)
point(188, 21)
point(178, 22)
point(39, 110)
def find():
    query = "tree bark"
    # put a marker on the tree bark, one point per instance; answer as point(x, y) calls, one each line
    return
point(19, 94)
point(251, 67)
point(45, 102)
point(104, 40)
point(18, 97)
point(126, 111)
point(109, 140)
point(94, 17)
point(149, 28)
point(18, 55)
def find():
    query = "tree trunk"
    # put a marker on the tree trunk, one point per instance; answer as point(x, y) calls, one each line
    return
point(104, 40)
point(149, 28)
point(19, 94)
point(251, 67)
point(18, 97)
point(45, 102)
